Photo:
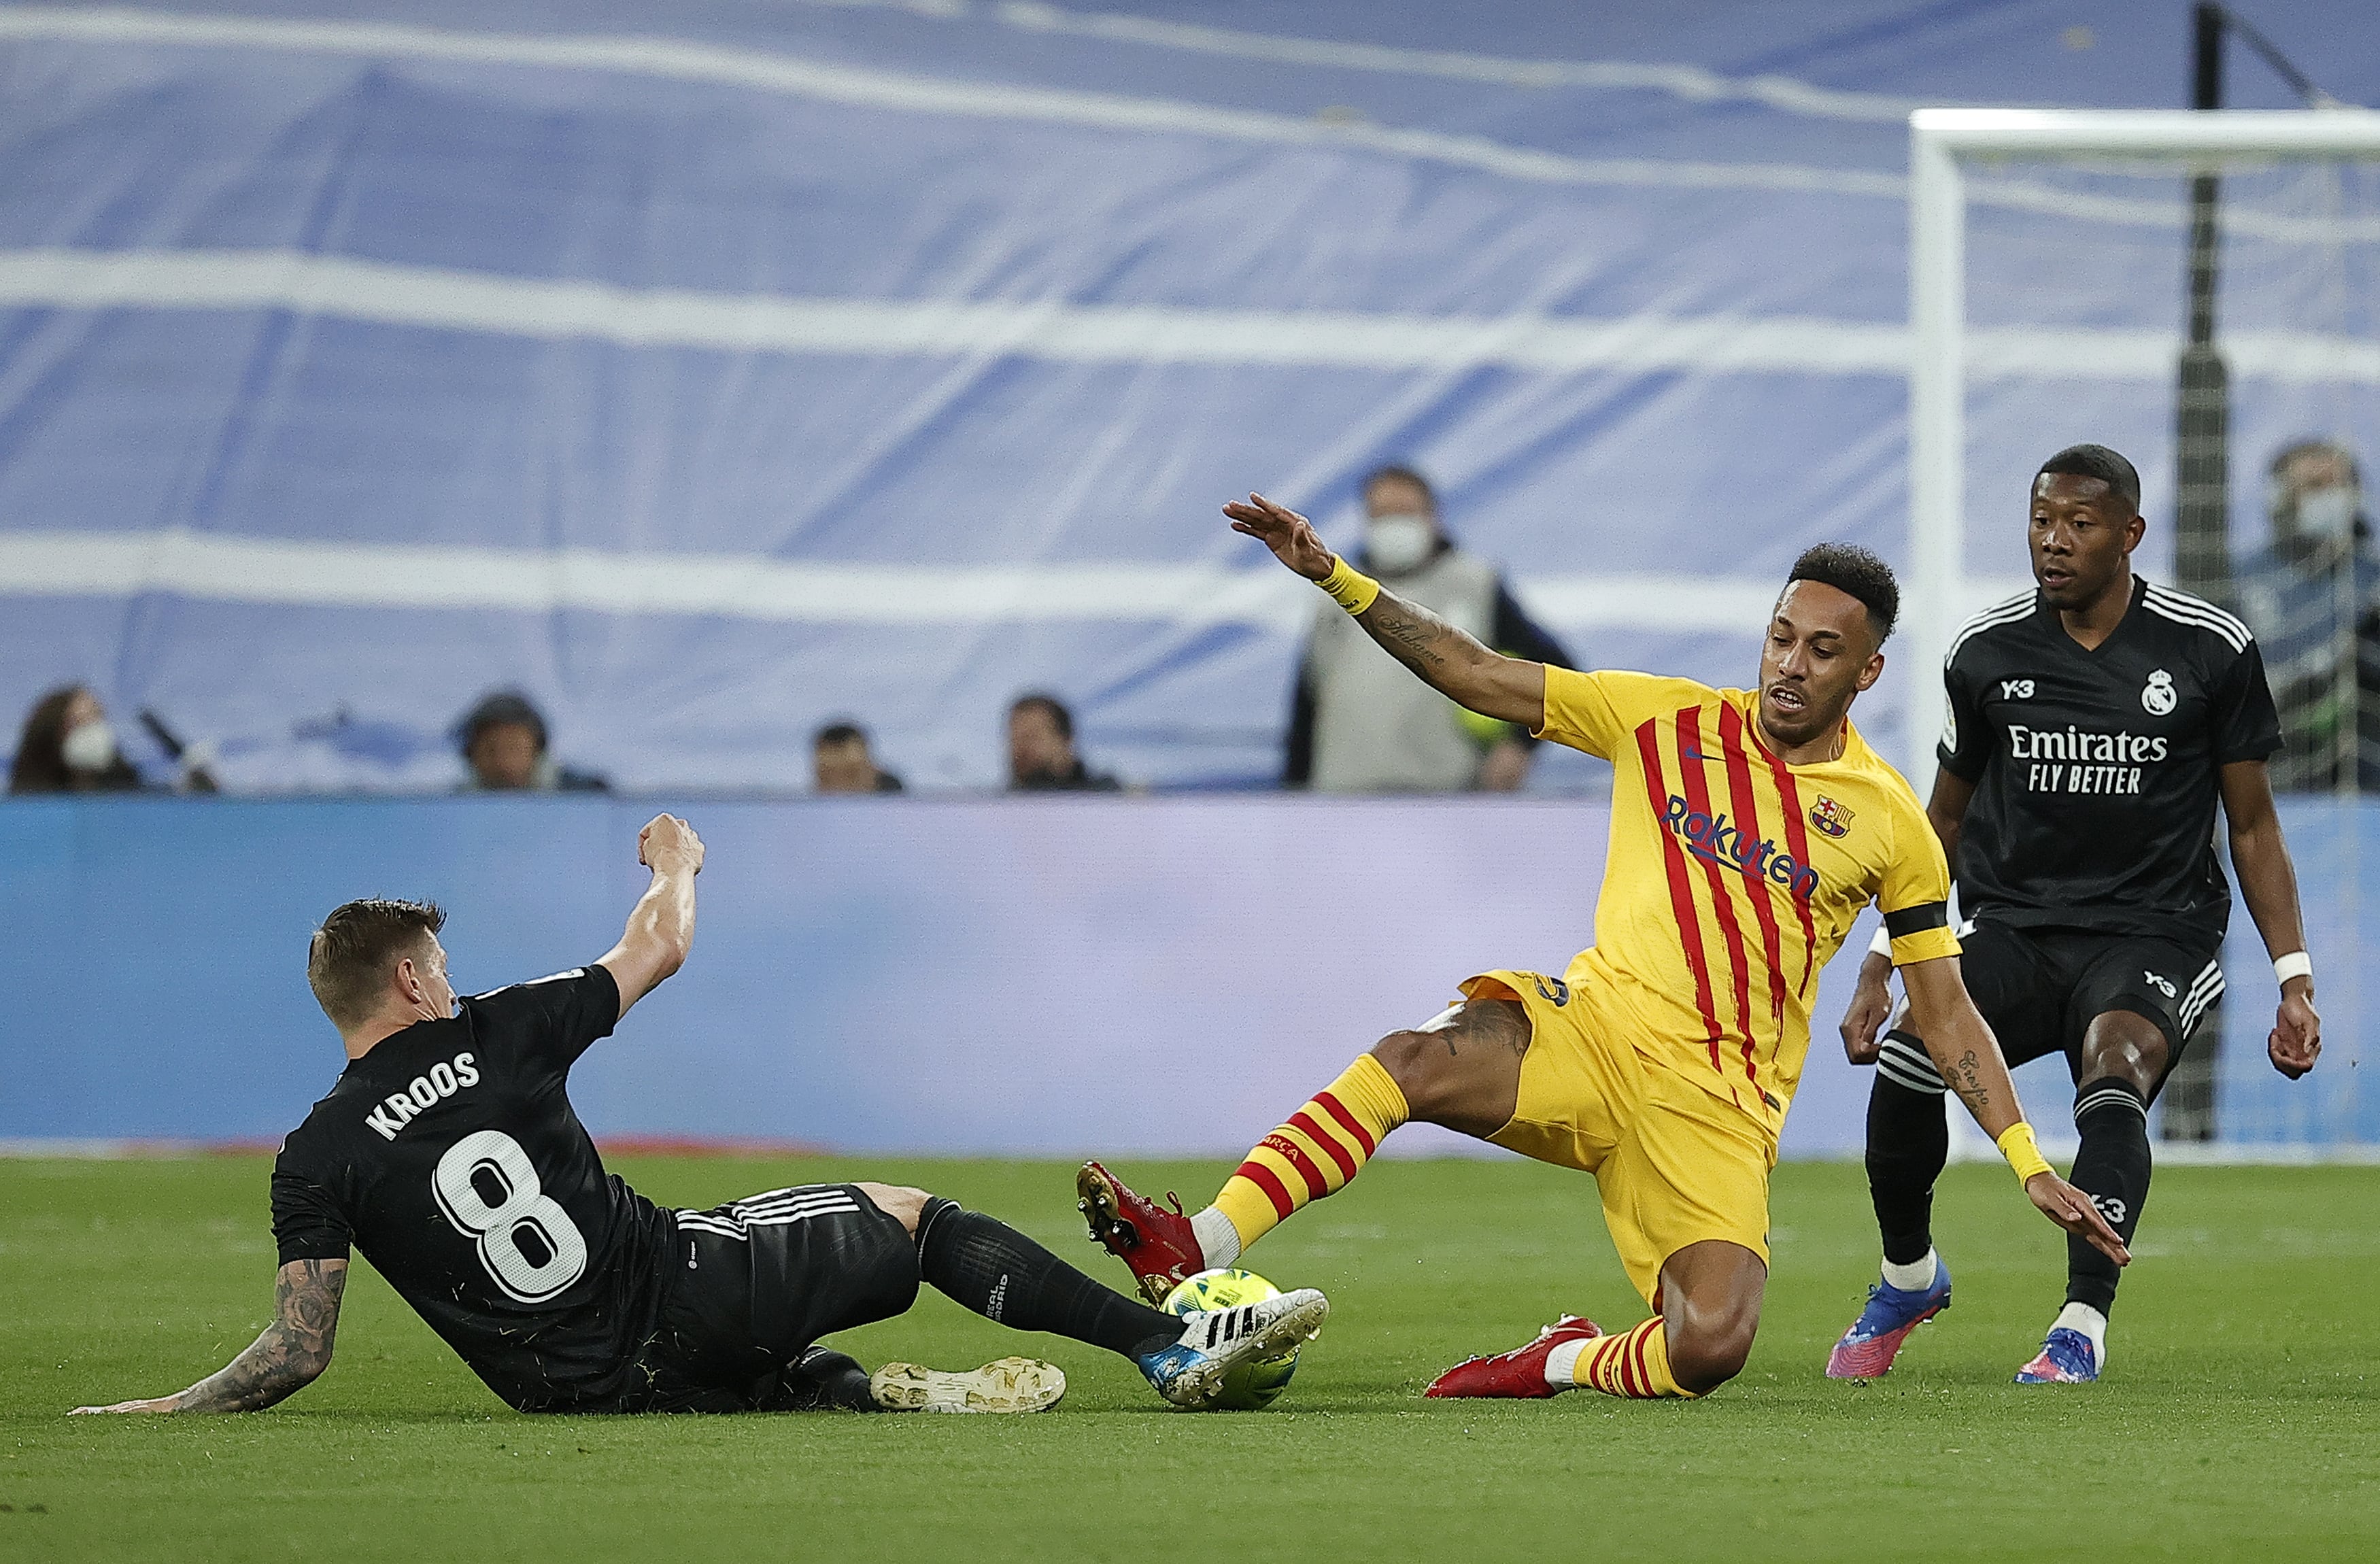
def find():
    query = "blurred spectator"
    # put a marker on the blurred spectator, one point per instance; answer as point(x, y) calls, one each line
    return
point(2312, 595)
point(504, 741)
point(1360, 723)
point(1041, 756)
point(841, 763)
point(67, 747)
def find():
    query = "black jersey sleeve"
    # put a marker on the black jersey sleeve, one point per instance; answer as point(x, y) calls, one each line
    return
point(2245, 725)
point(1966, 744)
point(554, 1018)
point(308, 1221)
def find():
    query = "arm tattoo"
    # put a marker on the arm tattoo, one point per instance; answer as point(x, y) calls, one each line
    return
point(1417, 638)
point(1966, 1077)
point(294, 1348)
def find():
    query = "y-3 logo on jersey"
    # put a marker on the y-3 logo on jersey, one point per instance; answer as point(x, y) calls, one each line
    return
point(1712, 839)
point(2016, 690)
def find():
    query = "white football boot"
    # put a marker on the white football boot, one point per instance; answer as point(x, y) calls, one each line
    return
point(1010, 1384)
point(1190, 1372)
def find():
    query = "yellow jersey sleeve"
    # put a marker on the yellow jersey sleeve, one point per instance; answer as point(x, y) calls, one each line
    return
point(1915, 894)
point(1595, 712)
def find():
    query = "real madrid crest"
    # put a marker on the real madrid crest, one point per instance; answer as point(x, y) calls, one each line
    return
point(1830, 817)
point(2157, 696)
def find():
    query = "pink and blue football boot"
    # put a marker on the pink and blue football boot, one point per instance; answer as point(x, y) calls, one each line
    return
point(2067, 1358)
point(1867, 1349)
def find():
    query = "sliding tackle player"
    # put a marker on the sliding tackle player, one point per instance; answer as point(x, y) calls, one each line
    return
point(1748, 830)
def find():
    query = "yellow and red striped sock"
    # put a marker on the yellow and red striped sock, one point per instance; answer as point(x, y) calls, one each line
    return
point(1325, 1144)
point(1634, 1364)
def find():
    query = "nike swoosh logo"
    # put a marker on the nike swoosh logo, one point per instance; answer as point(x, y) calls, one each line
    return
point(1698, 754)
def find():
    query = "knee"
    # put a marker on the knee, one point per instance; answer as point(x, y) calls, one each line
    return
point(1427, 1073)
point(901, 1203)
point(1408, 1059)
point(2128, 1048)
point(1709, 1346)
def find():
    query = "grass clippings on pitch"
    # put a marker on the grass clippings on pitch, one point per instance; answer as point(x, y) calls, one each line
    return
point(2238, 1420)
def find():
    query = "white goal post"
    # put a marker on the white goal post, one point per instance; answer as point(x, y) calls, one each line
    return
point(1938, 141)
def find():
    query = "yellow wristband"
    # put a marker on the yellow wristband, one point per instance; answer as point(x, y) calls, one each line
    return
point(2023, 1153)
point(1349, 587)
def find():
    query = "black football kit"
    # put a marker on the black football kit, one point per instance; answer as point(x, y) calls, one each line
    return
point(451, 1156)
point(2087, 870)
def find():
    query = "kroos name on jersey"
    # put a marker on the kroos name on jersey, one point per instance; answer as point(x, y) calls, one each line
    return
point(444, 1080)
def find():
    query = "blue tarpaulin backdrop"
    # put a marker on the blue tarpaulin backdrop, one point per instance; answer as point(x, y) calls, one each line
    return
point(714, 370)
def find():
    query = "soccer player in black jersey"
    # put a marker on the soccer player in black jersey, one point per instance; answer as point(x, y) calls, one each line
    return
point(449, 1154)
point(2093, 725)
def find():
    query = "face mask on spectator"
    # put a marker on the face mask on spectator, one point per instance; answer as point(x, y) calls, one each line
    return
point(2327, 512)
point(89, 747)
point(1397, 543)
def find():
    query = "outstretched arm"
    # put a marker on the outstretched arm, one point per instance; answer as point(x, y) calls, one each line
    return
point(1454, 663)
point(1969, 1058)
point(661, 927)
point(290, 1355)
point(2269, 881)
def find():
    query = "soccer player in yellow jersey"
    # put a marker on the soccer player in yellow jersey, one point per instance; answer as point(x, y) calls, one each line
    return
point(1748, 830)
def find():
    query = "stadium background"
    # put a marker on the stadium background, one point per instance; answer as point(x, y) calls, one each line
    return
point(713, 372)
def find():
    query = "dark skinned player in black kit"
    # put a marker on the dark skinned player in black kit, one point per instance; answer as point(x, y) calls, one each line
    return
point(2094, 724)
point(449, 1154)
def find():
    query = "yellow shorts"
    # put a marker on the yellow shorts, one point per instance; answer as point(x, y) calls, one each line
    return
point(1675, 1164)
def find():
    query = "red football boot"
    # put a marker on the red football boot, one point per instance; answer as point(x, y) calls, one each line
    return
point(1517, 1375)
point(1157, 1244)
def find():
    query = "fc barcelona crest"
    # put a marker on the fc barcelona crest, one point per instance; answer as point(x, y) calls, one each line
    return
point(1830, 817)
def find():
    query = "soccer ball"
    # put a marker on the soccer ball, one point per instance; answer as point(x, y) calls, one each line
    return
point(1251, 1386)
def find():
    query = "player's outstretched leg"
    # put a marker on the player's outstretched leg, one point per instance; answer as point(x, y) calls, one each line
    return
point(1907, 1142)
point(1710, 1294)
point(1460, 1070)
point(1000, 1273)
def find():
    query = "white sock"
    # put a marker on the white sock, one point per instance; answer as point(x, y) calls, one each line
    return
point(1562, 1363)
point(2090, 1322)
point(1219, 1241)
point(1914, 1277)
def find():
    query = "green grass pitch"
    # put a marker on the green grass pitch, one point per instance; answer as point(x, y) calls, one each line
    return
point(2238, 1418)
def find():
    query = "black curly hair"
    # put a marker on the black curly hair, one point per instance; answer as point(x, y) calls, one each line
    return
point(1849, 568)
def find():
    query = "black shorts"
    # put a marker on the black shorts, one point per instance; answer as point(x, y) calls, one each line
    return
point(2041, 988)
point(752, 1283)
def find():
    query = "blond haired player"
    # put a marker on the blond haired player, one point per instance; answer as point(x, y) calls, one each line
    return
point(1748, 830)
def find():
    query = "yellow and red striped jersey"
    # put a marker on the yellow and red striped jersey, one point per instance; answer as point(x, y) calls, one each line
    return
point(1732, 876)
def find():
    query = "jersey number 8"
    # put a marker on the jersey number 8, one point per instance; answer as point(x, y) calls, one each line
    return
point(522, 1206)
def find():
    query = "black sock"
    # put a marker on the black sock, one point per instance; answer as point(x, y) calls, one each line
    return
point(2113, 1170)
point(1908, 1142)
point(821, 1379)
point(1002, 1274)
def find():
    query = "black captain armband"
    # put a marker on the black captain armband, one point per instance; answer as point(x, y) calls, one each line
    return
point(1917, 920)
point(1907, 921)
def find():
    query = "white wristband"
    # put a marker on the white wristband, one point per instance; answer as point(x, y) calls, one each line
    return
point(1882, 944)
point(2296, 964)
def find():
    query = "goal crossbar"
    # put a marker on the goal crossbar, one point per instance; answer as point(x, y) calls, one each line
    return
point(1938, 141)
